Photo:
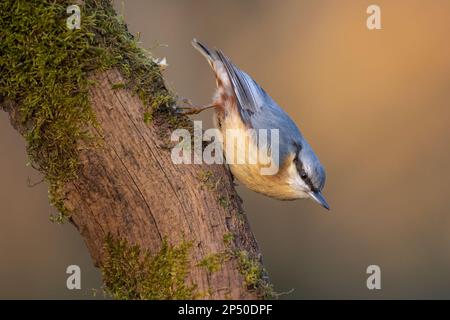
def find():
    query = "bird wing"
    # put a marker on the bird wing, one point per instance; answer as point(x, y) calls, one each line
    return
point(257, 109)
point(260, 111)
point(250, 96)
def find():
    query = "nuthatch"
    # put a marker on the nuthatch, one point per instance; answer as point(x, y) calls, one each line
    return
point(240, 103)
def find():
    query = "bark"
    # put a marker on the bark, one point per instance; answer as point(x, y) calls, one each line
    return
point(129, 188)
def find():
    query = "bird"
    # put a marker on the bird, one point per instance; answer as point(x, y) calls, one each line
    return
point(241, 104)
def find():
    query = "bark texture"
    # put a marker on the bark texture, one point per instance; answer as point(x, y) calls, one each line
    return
point(129, 188)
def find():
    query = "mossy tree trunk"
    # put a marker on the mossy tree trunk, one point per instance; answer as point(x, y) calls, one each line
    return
point(157, 230)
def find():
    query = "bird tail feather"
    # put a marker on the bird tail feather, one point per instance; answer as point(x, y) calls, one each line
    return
point(210, 55)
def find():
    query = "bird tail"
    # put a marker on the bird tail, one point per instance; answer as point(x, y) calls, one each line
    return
point(210, 55)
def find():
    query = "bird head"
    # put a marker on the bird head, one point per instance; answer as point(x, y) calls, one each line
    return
point(308, 175)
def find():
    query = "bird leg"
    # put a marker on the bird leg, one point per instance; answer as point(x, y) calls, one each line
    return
point(189, 108)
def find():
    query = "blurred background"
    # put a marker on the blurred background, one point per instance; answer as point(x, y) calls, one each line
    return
point(374, 104)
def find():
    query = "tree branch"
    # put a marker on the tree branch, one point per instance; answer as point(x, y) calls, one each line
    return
point(128, 190)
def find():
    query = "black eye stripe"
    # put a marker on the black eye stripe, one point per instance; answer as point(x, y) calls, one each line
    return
point(301, 171)
point(304, 175)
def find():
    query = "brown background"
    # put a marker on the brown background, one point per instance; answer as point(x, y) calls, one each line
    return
point(373, 104)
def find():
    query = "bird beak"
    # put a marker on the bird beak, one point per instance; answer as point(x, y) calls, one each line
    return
point(318, 197)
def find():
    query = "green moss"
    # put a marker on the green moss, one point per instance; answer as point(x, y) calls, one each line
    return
point(131, 273)
point(161, 99)
point(254, 275)
point(59, 217)
point(45, 67)
point(224, 202)
point(205, 175)
point(206, 178)
point(251, 269)
point(228, 238)
point(118, 85)
point(213, 262)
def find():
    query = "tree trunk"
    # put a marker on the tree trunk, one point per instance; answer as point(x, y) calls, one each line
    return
point(127, 188)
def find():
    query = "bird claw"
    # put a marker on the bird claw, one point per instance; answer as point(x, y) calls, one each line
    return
point(190, 108)
point(186, 110)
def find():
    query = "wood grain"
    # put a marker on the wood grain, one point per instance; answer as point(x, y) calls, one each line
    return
point(129, 188)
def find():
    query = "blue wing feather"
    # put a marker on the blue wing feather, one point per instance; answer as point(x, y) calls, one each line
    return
point(247, 91)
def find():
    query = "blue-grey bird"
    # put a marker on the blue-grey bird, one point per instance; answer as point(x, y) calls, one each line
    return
point(241, 104)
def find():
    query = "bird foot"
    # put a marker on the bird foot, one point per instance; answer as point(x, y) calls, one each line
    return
point(186, 110)
point(189, 108)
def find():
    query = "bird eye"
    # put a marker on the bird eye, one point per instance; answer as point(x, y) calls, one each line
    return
point(303, 174)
